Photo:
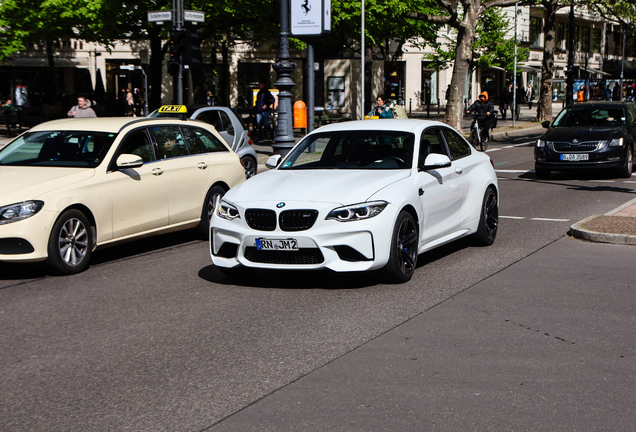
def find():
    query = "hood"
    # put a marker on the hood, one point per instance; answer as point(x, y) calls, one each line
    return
point(583, 133)
point(27, 183)
point(334, 186)
point(484, 93)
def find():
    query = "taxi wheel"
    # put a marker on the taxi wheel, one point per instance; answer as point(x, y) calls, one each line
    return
point(404, 247)
point(70, 244)
point(250, 166)
point(209, 205)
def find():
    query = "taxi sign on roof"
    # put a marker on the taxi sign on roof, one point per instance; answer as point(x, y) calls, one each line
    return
point(173, 109)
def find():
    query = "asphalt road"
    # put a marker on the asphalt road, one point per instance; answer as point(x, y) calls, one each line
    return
point(153, 338)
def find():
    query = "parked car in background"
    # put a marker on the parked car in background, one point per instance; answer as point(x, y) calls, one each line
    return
point(588, 136)
point(357, 196)
point(73, 185)
point(227, 123)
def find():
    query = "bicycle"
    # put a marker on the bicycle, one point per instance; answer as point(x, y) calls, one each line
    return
point(475, 138)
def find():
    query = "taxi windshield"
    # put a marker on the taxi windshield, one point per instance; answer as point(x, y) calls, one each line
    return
point(77, 149)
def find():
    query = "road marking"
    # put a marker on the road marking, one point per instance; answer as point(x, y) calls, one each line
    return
point(627, 181)
point(535, 219)
point(512, 171)
point(601, 181)
point(492, 150)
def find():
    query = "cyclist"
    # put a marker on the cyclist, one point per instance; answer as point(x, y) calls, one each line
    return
point(483, 108)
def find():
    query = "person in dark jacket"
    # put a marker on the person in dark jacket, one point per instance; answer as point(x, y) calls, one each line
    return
point(506, 100)
point(264, 102)
point(483, 108)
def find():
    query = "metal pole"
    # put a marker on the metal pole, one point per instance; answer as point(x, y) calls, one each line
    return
point(514, 73)
point(310, 88)
point(569, 93)
point(284, 140)
point(362, 65)
point(177, 6)
point(622, 63)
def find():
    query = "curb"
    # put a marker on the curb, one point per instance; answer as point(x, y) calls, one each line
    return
point(517, 132)
point(577, 231)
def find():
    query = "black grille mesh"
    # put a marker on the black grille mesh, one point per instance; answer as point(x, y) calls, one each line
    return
point(299, 257)
point(297, 220)
point(581, 147)
point(261, 219)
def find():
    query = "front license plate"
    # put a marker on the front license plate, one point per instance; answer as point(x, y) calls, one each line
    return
point(575, 157)
point(277, 244)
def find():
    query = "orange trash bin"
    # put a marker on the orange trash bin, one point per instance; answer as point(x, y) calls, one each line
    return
point(300, 114)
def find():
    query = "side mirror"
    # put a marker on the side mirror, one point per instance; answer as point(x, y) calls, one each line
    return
point(126, 161)
point(435, 161)
point(545, 124)
point(273, 161)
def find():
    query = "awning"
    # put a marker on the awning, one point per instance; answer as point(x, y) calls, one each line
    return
point(526, 68)
point(595, 71)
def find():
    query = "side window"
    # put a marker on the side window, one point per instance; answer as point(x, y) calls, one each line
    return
point(457, 145)
point(631, 116)
point(211, 117)
point(170, 141)
point(227, 123)
point(137, 143)
point(202, 141)
point(430, 142)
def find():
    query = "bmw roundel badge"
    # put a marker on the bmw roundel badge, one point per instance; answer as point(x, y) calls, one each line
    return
point(280, 205)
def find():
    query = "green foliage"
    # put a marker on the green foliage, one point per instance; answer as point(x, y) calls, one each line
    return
point(491, 47)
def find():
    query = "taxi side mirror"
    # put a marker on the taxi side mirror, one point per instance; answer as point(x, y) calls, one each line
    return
point(127, 161)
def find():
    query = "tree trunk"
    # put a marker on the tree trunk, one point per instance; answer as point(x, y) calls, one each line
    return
point(463, 56)
point(544, 110)
point(53, 72)
point(224, 78)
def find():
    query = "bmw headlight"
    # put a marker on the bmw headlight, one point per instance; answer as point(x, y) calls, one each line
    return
point(19, 211)
point(357, 212)
point(227, 211)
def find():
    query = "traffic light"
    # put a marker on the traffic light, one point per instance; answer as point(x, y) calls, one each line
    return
point(191, 49)
point(177, 38)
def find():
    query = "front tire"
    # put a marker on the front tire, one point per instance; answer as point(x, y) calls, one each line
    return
point(472, 138)
point(212, 198)
point(628, 167)
point(488, 220)
point(404, 247)
point(484, 142)
point(70, 244)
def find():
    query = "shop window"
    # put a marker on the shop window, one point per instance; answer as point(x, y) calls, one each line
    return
point(335, 91)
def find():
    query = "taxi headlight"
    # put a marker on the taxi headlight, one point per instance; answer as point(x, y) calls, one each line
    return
point(357, 212)
point(19, 211)
point(227, 211)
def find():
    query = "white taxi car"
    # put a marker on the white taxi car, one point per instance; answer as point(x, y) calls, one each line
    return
point(356, 196)
point(70, 186)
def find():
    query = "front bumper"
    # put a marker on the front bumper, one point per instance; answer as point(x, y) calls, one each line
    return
point(610, 159)
point(27, 240)
point(338, 246)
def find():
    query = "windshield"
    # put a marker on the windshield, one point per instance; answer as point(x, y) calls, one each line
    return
point(590, 116)
point(81, 149)
point(377, 150)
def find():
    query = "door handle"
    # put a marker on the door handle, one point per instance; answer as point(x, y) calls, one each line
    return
point(202, 165)
point(459, 170)
point(157, 171)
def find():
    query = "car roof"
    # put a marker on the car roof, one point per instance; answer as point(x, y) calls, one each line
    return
point(106, 124)
point(599, 103)
point(381, 124)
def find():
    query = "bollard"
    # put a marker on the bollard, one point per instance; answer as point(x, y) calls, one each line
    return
point(300, 115)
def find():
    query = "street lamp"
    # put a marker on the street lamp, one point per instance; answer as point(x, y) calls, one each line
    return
point(284, 140)
point(514, 74)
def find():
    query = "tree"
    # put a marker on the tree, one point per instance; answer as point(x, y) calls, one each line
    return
point(461, 15)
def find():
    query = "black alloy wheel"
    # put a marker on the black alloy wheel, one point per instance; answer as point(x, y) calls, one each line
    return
point(404, 249)
point(489, 219)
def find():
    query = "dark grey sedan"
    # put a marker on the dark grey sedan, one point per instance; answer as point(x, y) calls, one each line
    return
point(588, 136)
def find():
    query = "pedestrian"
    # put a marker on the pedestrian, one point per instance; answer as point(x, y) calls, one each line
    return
point(264, 102)
point(608, 93)
point(530, 95)
point(616, 92)
point(130, 103)
point(505, 100)
point(580, 95)
point(629, 92)
point(520, 97)
point(382, 110)
point(82, 109)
